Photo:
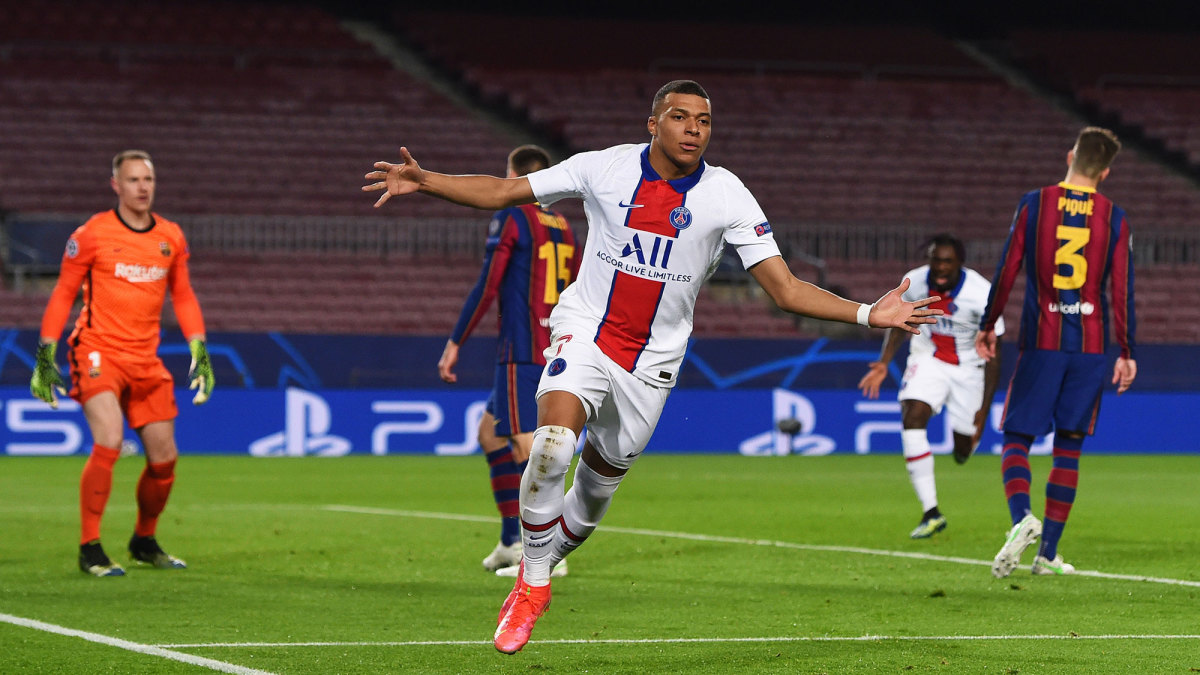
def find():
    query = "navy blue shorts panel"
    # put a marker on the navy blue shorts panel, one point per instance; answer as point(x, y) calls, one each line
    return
point(1052, 389)
point(513, 401)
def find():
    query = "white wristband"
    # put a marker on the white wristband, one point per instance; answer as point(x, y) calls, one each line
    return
point(864, 311)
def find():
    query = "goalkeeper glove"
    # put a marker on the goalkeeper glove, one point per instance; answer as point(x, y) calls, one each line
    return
point(46, 378)
point(201, 373)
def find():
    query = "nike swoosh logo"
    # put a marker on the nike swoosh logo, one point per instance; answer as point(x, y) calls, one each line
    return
point(630, 206)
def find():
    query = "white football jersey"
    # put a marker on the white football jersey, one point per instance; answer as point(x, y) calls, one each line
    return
point(651, 244)
point(952, 338)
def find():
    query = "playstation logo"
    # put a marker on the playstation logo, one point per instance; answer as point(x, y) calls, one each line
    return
point(305, 430)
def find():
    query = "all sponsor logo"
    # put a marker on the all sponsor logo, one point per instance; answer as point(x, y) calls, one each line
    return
point(660, 251)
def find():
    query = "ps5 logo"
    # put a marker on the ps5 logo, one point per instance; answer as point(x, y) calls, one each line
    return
point(305, 430)
point(660, 251)
point(786, 404)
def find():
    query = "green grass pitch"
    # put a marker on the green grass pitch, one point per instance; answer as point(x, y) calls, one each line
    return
point(703, 564)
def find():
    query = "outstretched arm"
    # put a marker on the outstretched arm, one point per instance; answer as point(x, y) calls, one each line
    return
point(800, 297)
point(481, 192)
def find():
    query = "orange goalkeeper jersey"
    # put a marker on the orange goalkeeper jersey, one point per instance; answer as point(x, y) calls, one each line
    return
point(125, 275)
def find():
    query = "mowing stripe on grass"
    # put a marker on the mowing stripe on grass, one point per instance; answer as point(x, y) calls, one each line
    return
point(754, 542)
point(642, 641)
point(151, 650)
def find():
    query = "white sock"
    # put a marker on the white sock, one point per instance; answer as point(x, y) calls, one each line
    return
point(585, 504)
point(542, 487)
point(919, 460)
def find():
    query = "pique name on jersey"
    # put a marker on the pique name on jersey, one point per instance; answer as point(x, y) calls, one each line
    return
point(140, 273)
point(1076, 206)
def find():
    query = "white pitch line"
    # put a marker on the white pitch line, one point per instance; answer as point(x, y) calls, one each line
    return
point(151, 650)
point(757, 542)
point(642, 641)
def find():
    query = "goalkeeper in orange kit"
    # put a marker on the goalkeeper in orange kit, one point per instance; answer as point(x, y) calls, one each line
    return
point(125, 260)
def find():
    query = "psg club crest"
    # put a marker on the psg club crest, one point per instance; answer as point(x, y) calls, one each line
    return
point(557, 366)
point(681, 218)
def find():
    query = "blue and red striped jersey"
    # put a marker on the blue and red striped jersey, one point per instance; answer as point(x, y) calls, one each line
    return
point(1073, 241)
point(530, 258)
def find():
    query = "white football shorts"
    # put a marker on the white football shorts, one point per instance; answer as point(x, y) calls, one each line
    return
point(957, 388)
point(622, 410)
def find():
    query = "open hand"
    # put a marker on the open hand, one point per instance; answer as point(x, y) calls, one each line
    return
point(893, 311)
point(395, 179)
point(869, 384)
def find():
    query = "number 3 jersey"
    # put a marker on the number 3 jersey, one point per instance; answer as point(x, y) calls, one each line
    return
point(952, 338)
point(1073, 242)
point(651, 244)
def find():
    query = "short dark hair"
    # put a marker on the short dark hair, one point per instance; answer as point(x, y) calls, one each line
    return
point(944, 239)
point(527, 159)
point(1095, 150)
point(676, 87)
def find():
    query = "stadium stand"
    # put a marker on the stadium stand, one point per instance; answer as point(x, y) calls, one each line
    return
point(858, 141)
point(246, 109)
point(880, 138)
point(1148, 79)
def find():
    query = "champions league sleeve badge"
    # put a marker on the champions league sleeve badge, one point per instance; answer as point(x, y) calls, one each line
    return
point(681, 218)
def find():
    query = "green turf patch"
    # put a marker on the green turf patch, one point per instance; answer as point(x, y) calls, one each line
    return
point(703, 564)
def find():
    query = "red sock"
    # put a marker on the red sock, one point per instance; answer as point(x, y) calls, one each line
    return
point(94, 486)
point(152, 491)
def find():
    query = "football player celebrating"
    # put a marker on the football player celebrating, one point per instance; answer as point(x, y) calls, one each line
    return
point(659, 217)
point(943, 370)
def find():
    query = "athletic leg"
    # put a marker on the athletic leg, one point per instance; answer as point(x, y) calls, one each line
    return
point(561, 417)
point(153, 490)
point(1014, 465)
point(154, 486)
point(1060, 490)
point(103, 414)
point(544, 482)
point(505, 475)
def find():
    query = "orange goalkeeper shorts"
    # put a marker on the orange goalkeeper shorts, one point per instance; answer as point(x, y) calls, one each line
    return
point(145, 391)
